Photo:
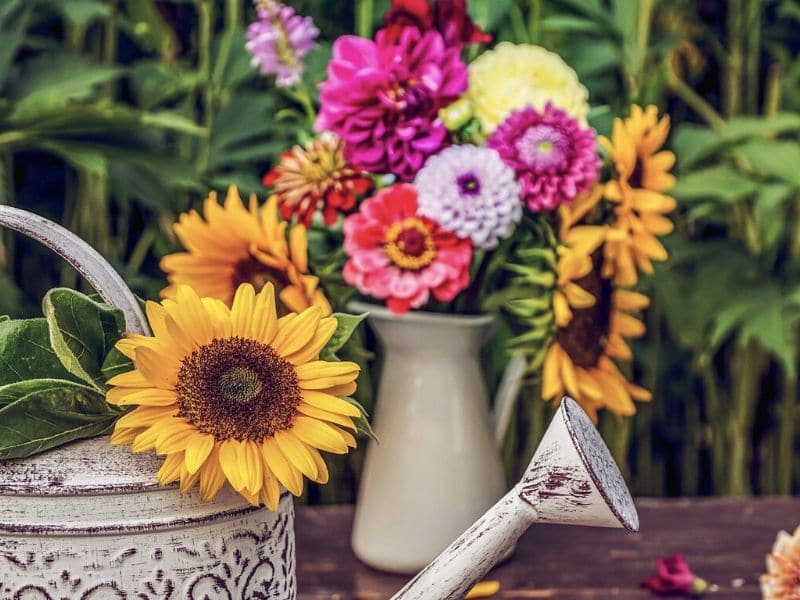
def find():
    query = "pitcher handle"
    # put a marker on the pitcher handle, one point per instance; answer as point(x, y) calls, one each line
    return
point(505, 398)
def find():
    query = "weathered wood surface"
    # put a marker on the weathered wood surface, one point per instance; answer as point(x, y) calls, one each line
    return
point(724, 540)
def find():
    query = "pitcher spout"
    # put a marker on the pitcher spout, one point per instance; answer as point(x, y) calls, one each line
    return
point(572, 479)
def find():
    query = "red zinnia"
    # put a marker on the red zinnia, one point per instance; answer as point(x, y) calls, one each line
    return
point(448, 17)
point(316, 177)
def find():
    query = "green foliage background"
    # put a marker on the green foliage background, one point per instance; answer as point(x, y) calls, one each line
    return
point(116, 115)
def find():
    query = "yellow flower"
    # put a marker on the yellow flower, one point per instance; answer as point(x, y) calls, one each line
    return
point(593, 323)
point(782, 580)
point(230, 245)
point(513, 76)
point(640, 205)
point(235, 394)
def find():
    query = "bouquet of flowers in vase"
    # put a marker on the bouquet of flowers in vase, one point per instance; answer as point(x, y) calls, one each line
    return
point(438, 185)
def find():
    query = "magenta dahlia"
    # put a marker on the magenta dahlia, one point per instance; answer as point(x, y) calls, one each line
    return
point(554, 157)
point(382, 98)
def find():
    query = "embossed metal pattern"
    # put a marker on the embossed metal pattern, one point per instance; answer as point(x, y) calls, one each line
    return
point(251, 557)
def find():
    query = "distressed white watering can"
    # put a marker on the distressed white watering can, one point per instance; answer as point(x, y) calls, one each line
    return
point(88, 521)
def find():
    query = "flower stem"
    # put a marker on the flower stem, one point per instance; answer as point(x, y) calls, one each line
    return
point(746, 366)
point(471, 295)
point(365, 11)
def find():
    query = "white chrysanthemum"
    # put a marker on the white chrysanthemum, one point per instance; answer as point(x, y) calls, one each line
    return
point(513, 76)
point(472, 192)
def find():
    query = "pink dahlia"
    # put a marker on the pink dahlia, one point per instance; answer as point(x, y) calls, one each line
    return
point(398, 255)
point(382, 98)
point(555, 159)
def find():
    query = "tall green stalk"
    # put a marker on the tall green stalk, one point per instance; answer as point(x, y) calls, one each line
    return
point(747, 365)
point(365, 15)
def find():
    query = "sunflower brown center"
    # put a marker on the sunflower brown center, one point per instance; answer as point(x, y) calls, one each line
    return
point(235, 388)
point(635, 180)
point(584, 339)
point(251, 270)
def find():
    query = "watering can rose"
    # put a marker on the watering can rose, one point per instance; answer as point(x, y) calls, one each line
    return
point(236, 394)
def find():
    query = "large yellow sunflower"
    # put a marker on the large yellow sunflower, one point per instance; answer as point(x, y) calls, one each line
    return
point(592, 331)
point(234, 245)
point(235, 394)
point(638, 194)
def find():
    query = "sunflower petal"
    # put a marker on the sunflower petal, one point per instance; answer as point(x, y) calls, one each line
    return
point(198, 450)
point(294, 450)
point(290, 477)
point(319, 435)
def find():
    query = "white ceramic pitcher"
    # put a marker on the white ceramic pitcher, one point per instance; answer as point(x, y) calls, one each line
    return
point(436, 465)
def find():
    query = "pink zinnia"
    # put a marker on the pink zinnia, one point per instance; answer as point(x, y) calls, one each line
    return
point(398, 255)
point(555, 159)
point(382, 98)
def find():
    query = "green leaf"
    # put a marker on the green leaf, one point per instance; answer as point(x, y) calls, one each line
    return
point(25, 352)
point(774, 158)
point(44, 413)
point(115, 363)
point(769, 211)
point(719, 182)
point(769, 328)
point(362, 423)
point(82, 333)
point(83, 12)
point(14, 16)
point(346, 325)
point(54, 79)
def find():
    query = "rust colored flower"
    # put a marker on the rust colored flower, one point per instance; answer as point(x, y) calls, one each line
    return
point(317, 177)
point(674, 577)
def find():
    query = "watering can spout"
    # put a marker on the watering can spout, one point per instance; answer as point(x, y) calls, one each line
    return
point(571, 479)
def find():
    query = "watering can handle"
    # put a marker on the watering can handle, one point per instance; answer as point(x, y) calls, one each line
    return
point(86, 260)
point(506, 396)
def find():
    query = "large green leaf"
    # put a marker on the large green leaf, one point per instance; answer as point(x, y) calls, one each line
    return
point(40, 414)
point(82, 332)
point(25, 352)
point(54, 79)
point(719, 182)
point(774, 158)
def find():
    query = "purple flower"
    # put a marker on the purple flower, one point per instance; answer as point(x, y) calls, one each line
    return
point(278, 40)
point(471, 192)
point(555, 159)
point(382, 98)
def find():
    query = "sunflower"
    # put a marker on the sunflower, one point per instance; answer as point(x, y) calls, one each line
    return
point(230, 245)
point(235, 394)
point(640, 204)
point(594, 321)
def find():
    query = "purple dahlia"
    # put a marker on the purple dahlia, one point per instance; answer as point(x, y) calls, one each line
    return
point(382, 98)
point(554, 157)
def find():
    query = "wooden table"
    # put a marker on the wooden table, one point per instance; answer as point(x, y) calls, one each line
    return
point(725, 542)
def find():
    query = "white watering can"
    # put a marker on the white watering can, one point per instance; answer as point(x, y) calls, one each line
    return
point(88, 521)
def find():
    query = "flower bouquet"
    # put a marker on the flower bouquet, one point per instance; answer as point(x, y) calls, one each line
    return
point(449, 194)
